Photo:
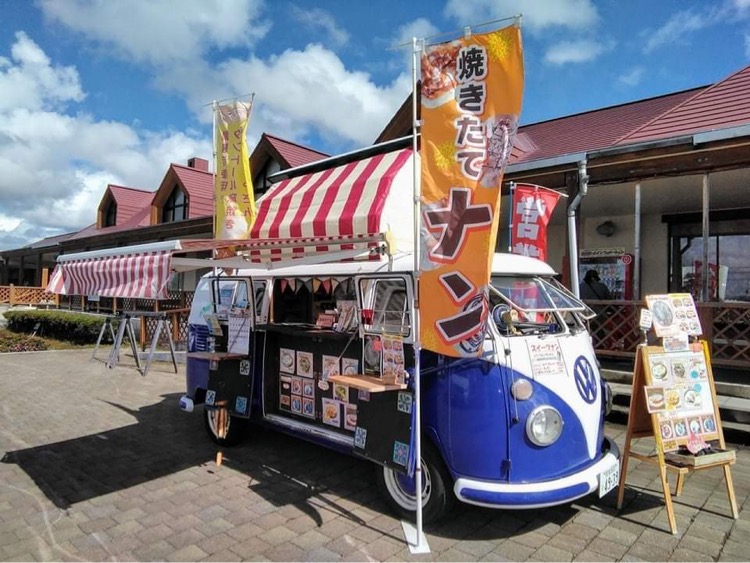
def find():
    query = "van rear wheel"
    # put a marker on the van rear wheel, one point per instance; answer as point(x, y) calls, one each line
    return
point(236, 428)
point(437, 494)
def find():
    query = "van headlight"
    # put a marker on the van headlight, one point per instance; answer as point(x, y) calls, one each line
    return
point(544, 425)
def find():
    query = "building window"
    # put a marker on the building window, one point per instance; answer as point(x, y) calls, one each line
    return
point(261, 182)
point(110, 215)
point(728, 259)
point(176, 207)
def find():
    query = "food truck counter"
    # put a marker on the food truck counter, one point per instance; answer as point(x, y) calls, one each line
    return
point(308, 330)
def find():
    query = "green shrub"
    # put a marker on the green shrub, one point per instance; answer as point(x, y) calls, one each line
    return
point(77, 328)
point(11, 342)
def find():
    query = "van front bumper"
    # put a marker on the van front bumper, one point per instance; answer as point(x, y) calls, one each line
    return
point(539, 494)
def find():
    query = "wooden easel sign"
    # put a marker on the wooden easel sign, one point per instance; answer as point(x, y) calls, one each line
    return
point(674, 402)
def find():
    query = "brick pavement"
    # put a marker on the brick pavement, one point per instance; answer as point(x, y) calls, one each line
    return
point(101, 464)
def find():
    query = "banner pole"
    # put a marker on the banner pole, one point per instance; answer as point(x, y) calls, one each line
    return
point(510, 221)
point(214, 106)
point(415, 538)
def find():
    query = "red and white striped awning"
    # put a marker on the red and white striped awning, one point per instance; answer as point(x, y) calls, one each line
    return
point(138, 276)
point(139, 271)
point(345, 201)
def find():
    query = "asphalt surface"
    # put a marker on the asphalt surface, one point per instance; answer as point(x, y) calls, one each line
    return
point(100, 464)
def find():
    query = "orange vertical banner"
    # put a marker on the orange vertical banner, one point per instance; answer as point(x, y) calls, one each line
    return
point(471, 98)
point(234, 203)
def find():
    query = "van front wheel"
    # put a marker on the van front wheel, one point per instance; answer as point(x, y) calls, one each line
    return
point(236, 428)
point(400, 490)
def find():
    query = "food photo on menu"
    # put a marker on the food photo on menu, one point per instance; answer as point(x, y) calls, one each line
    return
point(287, 359)
point(332, 412)
point(350, 417)
point(304, 364)
point(655, 398)
point(330, 366)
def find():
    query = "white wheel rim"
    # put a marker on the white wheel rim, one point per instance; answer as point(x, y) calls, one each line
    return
point(398, 493)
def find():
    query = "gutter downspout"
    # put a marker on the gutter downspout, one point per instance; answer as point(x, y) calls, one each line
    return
point(583, 186)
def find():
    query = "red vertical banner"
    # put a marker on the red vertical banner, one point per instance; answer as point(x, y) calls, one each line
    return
point(471, 99)
point(532, 209)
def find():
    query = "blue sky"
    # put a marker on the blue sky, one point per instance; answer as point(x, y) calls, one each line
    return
point(94, 92)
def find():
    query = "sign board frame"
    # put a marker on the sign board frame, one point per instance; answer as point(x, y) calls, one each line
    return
point(651, 417)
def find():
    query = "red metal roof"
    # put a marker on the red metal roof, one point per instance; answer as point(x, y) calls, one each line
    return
point(590, 130)
point(725, 104)
point(199, 186)
point(294, 154)
point(128, 200)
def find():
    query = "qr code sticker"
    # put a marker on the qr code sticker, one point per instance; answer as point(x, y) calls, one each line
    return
point(210, 397)
point(240, 405)
point(400, 453)
point(360, 438)
point(404, 402)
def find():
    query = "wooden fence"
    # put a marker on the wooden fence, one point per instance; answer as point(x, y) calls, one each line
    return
point(726, 328)
point(176, 307)
point(24, 295)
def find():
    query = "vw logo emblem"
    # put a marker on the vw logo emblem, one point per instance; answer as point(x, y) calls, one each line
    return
point(585, 379)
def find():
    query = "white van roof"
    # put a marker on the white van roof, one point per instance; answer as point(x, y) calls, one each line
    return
point(502, 263)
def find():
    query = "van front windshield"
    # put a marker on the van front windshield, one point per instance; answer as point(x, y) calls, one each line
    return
point(527, 305)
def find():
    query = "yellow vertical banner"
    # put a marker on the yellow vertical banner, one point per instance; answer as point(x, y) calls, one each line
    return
point(234, 202)
point(471, 97)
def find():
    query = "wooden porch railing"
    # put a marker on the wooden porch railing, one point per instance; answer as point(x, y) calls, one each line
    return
point(24, 295)
point(726, 328)
point(177, 308)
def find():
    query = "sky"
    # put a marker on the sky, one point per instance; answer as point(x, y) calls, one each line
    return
point(99, 92)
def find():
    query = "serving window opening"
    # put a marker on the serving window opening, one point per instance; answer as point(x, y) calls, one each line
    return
point(385, 306)
point(305, 301)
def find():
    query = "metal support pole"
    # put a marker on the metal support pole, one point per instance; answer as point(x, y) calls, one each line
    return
point(583, 185)
point(706, 270)
point(637, 245)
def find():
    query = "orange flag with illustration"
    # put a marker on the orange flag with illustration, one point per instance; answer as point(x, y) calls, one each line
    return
point(471, 99)
point(234, 205)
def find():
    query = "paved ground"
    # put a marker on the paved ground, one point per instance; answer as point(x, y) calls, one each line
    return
point(100, 464)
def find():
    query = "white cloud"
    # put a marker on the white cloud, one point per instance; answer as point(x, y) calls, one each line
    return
point(162, 31)
point(315, 18)
point(56, 166)
point(579, 51)
point(28, 80)
point(632, 77)
point(675, 29)
point(538, 15)
point(682, 24)
point(296, 93)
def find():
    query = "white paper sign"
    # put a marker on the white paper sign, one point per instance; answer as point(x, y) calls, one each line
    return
point(238, 341)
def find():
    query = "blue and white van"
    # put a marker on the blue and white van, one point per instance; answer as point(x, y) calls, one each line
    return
point(302, 348)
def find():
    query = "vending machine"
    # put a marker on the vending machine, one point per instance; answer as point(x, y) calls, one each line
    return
point(615, 268)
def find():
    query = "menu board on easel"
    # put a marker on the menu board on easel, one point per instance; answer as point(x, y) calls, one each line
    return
point(674, 401)
point(680, 396)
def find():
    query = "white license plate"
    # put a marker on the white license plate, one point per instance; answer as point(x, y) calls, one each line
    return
point(609, 479)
